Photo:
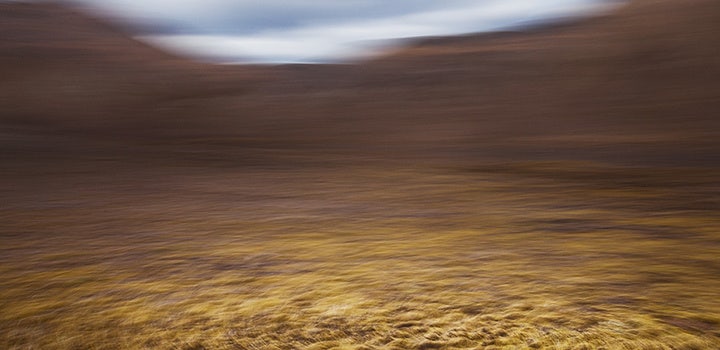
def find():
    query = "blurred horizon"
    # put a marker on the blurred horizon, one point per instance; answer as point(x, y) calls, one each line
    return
point(280, 31)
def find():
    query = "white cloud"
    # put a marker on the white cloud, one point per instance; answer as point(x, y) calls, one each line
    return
point(334, 30)
point(265, 49)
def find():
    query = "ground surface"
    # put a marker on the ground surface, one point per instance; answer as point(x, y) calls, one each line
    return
point(109, 255)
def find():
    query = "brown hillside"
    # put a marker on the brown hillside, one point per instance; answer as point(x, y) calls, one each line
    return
point(637, 84)
point(65, 71)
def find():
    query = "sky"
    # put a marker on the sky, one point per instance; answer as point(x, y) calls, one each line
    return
point(311, 31)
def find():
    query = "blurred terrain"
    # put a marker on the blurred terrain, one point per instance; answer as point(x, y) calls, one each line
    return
point(639, 85)
point(552, 187)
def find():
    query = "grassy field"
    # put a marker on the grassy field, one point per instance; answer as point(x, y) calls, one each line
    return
point(561, 255)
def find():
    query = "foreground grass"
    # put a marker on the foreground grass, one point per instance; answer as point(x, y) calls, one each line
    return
point(525, 256)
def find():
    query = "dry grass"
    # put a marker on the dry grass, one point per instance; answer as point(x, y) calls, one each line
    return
point(560, 256)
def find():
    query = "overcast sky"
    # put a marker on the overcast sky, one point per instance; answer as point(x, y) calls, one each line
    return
point(319, 30)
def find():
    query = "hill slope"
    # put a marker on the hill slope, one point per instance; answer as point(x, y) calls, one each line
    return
point(638, 84)
point(64, 71)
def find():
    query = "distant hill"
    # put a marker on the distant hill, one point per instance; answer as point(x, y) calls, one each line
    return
point(638, 85)
point(64, 70)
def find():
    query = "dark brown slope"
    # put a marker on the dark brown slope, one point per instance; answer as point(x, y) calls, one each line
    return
point(636, 86)
point(63, 71)
point(632, 65)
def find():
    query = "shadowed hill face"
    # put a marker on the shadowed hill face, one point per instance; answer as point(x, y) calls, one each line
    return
point(64, 71)
point(51, 33)
point(638, 84)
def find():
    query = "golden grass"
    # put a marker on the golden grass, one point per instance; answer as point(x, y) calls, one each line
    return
point(559, 256)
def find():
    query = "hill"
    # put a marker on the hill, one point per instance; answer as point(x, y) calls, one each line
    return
point(64, 71)
point(641, 84)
